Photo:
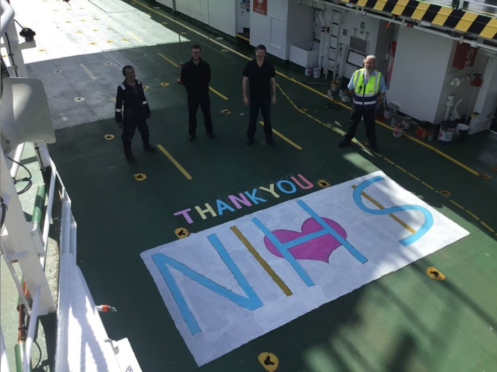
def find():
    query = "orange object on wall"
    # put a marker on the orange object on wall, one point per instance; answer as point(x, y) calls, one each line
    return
point(464, 57)
point(260, 6)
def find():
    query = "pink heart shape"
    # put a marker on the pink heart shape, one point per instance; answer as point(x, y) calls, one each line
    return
point(318, 249)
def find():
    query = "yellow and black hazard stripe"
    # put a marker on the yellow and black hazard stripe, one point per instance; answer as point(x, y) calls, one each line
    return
point(457, 19)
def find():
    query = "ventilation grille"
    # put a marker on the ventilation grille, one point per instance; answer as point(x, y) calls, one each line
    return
point(358, 45)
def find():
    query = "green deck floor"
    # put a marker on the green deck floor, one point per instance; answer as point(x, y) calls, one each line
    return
point(404, 321)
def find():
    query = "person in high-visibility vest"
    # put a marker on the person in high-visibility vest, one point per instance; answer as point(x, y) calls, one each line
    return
point(368, 88)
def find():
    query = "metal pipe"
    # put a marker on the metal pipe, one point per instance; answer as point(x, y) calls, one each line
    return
point(18, 284)
point(33, 319)
point(17, 158)
point(7, 16)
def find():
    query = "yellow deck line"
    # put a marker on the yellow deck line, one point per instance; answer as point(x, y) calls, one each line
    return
point(472, 215)
point(402, 169)
point(284, 138)
point(173, 160)
point(378, 205)
point(383, 3)
point(242, 37)
point(413, 176)
point(388, 160)
point(134, 37)
point(168, 60)
point(488, 227)
point(261, 261)
point(219, 94)
point(457, 204)
point(424, 183)
point(88, 71)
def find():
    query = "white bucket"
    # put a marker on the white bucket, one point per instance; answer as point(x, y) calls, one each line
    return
point(446, 135)
point(406, 123)
point(317, 72)
point(308, 70)
point(397, 132)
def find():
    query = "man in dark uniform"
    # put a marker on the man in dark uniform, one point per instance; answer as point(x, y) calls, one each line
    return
point(195, 76)
point(259, 75)
point(136, 111)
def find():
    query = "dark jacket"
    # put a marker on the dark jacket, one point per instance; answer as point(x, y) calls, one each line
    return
point(196, 78)
point(135, 103)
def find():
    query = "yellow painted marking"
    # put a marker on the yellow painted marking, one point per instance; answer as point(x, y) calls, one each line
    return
point(140, 177)
point(125, 40)
point(457, 204)
point(399, 8)
point(379, 206)
point(109, 41)
point(420, 11)
point(226, 112)
point(442, 16)
point(269, 361)
point(168, 60)
point(183, 33)
point(261, 261)
point(424, 183)
point(413, 176)
point(472, 215)
point(362, 2)
point(388, 160)
point(284, 138)
point(181, 232)
point(164, 84)
point(435, 274)
point(488, 227)
point(93, 43)
point(243, 37)
point(219, 94)
point(319, 121)
point(134, 37)
point(466, 21)
point(418, 14)
point(323, 183)
point(490, 29)
point(88, 71)
point(484, 176)
point(109, 137)
point(402, 169)
point(164, 23)
point(173, 160)
point(309, 116)
point(380, 4)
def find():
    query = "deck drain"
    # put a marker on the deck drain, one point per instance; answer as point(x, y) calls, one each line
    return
point(181, 232)
point(484, 176)
point(140, 177)
point(42, 50)
point(109, 137)
point(109, 41)
point(269, 361)
point(95, 30)
point(93, 43)
point(125, 40)
point(226, 112)
point(79, 32)
point(445, 193)
point(494, 168)
point(323, 183)
point(83, 20)
point(434, 274)
point(79, 99)
point(164, 84)
point(68, 22)
point(108, 63)
point(58, 72)
point(145, 87)
point(224, 50)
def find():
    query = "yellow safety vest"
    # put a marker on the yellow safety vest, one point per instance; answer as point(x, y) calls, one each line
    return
point(366, 96)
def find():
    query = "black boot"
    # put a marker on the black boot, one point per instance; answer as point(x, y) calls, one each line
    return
point(148, 147)
point(130, 157)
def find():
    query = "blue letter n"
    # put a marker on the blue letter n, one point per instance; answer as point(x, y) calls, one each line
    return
point(251, 302)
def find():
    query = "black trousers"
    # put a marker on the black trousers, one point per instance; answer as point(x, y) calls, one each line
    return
point(194, 101)
point(264, 105)
point(129, 127)
point(369, 121)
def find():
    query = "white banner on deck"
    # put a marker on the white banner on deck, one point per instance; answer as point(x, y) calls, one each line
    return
point(237, 281)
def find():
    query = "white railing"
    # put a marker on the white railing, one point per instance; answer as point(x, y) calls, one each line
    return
point(4, 365)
